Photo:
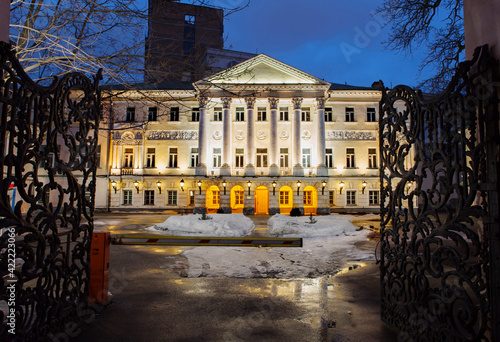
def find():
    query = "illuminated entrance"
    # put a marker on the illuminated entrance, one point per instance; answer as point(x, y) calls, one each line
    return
point(212, 199)
point(286, 200)
point(237, 199)
point(310, 200)
point(261, 200)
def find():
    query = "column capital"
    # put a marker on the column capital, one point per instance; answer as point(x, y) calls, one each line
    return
point(273, 102)
point(320, 102)
point(250, 100)
point(226, 102)
point(297, 102)
point(202, 100)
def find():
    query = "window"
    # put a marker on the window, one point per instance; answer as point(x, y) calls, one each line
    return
point(191, 197)
point(239, 197)
point(350, 158)
point(188, 48)
point(239, 157)
point(218, 114)
point(172, 197)
point(373, 197)
point(262, 157)
point(261, 114)
point(195, 114)
point(127, 196)
point(98, 157)
point(283, 113)
point(240, 114)
point(152, 114)
point(371, 115)
point(307, 197)
point(189, 19)
point(172, 157)
point(150, 157)
point(217, 157)
point(194, 157)
point(331, 198)
point(149, 197)
point(372, 158)
point(284, 197)
point(349, 114)
point(328, 114)
point(329, 157)
point(306, 157)
point(130, 116)
point(283, 157)
point(350, 197)
point(306, 114)
point(128, 157)
point(174, 114)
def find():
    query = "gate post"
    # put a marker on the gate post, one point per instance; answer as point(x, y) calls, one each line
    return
point(99, 263)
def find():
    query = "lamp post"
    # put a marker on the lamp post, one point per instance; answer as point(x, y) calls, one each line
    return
point(224, 185)
point(341, 184)
point(323, 188)
point(182, 184)
point(249, 185)
point(136, 184)
point(364, 187)
point(298, 187)
point(158, 185)
point(274, 188)
point(113, 184)
point(199, 186)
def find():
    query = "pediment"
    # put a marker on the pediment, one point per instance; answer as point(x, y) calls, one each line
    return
point(262, 69)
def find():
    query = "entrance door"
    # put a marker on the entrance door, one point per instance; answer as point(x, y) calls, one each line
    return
point(212, 199)
point(286, 200)
point(261, 201)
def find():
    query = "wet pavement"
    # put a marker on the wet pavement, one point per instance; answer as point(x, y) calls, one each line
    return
point(154, 301)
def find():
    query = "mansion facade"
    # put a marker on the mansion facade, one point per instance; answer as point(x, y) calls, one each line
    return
point(260, 137)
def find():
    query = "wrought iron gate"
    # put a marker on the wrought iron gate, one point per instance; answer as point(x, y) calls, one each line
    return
point(48, 142)
point(439, 190)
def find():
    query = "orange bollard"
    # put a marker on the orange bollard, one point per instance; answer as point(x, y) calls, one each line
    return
point(99, 263)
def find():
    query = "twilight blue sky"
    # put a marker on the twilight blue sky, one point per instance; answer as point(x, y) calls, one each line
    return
point(339, 41)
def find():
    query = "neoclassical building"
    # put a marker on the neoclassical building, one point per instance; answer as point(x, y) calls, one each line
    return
point(260, 137)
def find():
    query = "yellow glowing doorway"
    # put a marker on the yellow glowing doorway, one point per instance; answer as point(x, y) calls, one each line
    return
point(310, 200)
point(237, 199)
point(286, 200)
point(261, 200)
point(212, 199)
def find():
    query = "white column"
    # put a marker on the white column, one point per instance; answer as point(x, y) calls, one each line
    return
point(226, 137)
point(114, 156)
point(321, 171)
point(274, 170)
point(141, 157)
point(250, 149)
point(201, 168)
point(137, 154)
point(298, 171)
point(119, 156)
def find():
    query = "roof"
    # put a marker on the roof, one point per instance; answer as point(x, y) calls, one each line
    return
point(150, 86)
point(339, 86)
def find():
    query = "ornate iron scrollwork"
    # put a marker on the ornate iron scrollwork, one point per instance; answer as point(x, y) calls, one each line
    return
point(435, 263)
point(48, 144)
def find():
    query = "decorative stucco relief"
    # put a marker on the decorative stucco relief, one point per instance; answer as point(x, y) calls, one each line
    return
point(284, 134)
point(173, 135)
point(217, 135)
point(261, 135)
point(240, 135)
point(350, 135)
point(306, 135)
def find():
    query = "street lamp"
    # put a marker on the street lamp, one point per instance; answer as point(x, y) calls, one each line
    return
point(298, 187)
point(199, 186)
point(341, 184)
point(249, 185)
point(274, 188)
point(224, 185)
point(364, 187)
point(113, 184)
point(158, 184)
point(323, 189)
point(136, 184)
point(182, 184)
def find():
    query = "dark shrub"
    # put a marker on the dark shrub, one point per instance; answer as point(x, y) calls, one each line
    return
point(220, 211)
point(295, 212)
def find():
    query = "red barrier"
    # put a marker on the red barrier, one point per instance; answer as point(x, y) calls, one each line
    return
point(99, 263)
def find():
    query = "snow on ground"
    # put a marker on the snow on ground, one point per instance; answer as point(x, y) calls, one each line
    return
point(192, 225)
point(328, 245)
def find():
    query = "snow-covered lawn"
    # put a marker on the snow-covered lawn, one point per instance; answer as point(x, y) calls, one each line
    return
point(218, 225)
point(328, 245)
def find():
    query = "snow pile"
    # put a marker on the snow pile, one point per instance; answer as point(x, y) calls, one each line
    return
point(192, 225)
point(328, 245)
point(305, 226)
